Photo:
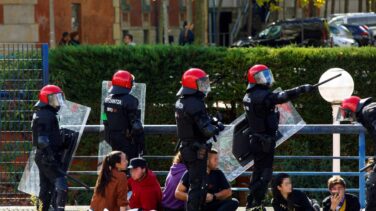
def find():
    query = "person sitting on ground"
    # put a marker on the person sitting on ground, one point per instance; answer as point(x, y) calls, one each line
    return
point(286, 198)
point(169, 202)
point(146, 190)
point(111, 188)
point(64, 39)
point(219, 190)
point(339, 200)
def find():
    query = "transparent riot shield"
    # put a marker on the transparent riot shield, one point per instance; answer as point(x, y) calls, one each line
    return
point(71, 117)
point(138, 91)
point(290, 122)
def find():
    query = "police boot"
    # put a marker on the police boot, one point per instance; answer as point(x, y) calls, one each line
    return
point(61, 193)
point(61, 199)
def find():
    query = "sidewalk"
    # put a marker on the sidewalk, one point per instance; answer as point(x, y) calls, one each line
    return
point(74, 208)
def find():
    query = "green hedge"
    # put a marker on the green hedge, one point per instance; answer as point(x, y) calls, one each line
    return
point(80, 70)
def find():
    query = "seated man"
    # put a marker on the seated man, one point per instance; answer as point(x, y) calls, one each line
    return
point(146, 191)
point(219, 190)
point(339, 199)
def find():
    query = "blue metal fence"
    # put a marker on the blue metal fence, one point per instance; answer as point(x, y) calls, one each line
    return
point(23, 71)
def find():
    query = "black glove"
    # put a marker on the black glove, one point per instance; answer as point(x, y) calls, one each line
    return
point(48, 157)
point(306, 88)
point(220, 126)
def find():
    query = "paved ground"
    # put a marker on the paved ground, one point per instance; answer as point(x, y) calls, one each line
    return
point(71, 208)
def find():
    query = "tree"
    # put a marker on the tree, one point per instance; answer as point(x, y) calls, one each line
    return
point(217, 21)
point(201, 21)
point(346, 6)
point(333, 6)
point(189, 10)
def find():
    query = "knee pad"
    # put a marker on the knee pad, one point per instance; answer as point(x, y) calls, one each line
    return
point(61, 184)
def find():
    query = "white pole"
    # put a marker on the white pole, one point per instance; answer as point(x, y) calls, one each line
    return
point(52, 24)
point(336, 141)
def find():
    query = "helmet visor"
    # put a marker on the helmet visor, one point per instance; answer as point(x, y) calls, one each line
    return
point(264, 77)
point(345, 116)
point(203, 85)
point(56, 100)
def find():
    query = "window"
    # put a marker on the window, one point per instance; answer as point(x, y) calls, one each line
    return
point(146, 5)
point(76, 17)
point(270, 32)
point(125, 5)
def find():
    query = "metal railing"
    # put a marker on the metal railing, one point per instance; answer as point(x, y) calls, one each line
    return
point(308, 129)
point(23, 71)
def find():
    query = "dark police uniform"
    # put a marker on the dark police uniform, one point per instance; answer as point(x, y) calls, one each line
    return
point(263, 118)
point(50, 148)
point(194, 128)
point(367, 117)
point(123, 127)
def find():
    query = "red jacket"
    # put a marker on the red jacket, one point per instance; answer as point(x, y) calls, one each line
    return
point(146, 194)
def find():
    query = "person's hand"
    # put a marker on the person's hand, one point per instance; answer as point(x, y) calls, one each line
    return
point(306, 88)
point(220, 126)
point(209, 197)
point(335, 199)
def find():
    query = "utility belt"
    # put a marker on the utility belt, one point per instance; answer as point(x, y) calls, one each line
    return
point(193, 150)
point(266, 141)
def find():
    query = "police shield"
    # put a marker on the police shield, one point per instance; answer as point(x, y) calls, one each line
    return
point(138, 91)
point(72, 121)
point(233, 142)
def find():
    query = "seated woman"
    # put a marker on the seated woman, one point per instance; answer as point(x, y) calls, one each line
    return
point(111, 188)
point(286, 198)
point(169, 202)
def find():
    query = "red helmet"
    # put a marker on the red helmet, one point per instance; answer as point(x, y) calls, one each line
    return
point(351, 104)
point(194, 80)
point(51, 95)
point(122, 82)
point(259, 74)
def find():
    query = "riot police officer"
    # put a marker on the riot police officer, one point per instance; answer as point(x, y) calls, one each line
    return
point(194, 129)
point(363, 111)
point(123, 127)
point(50, 148)
point(263, 118)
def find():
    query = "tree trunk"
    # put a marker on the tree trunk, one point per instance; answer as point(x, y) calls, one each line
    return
point(52, 24)
point(333, 7)
point(295, 8)
point(165, 21)
point(217, 22)
point(201, 19)
point(250, 18)
point(160, 22)
point(346, 6)
point(360, 5)
point(311, 9)
point(189, 11)
point(367, 5)
point(326, 8)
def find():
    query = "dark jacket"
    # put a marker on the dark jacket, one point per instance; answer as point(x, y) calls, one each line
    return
point(352, 203)
point(297, 201)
